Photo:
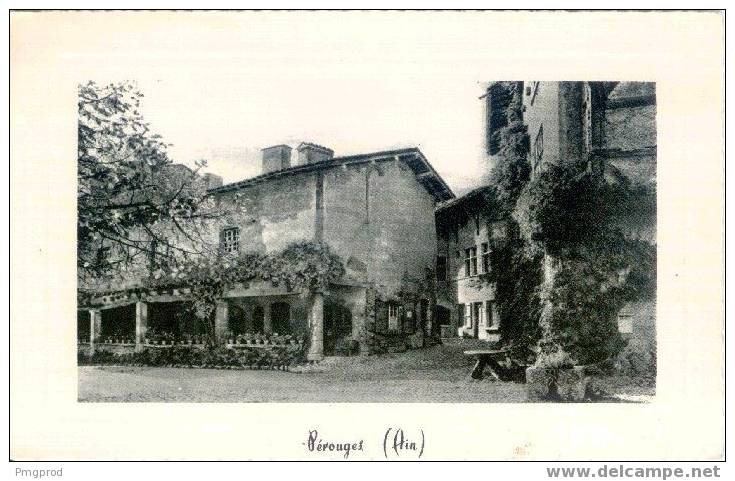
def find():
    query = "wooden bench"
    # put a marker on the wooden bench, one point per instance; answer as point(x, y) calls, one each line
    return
point(488, 358)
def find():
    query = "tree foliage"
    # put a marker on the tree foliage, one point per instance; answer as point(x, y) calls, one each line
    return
point(131, 198)
point(516, 276)
point(511, 171)
point(596, 278)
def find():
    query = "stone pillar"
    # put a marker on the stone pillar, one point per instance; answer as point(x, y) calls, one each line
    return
point(430, 324)
point(316, 327)
point(359, 321)
point(95, 328)
point(267, 322)
point(141, 324)
point(221, 321)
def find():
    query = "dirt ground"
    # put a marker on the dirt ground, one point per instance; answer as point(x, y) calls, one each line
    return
point(437, 374)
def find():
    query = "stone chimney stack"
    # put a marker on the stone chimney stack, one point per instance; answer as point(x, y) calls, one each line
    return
point(313, 153)
point(275, 158)
point(212, 181)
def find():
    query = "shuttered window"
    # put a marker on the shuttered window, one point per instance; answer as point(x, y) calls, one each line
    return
point(230, 240)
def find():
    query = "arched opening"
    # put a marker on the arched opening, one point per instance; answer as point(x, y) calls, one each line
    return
point(442, 315)
point(258, 319)
point(186, 321)
point(83, 323)
point(118, 323)
point(237, 321)
point(167, 318)
point(337, 327)
point(443, 319)
point(281, 317)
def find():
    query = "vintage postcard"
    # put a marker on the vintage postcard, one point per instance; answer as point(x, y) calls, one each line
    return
point(444, 235)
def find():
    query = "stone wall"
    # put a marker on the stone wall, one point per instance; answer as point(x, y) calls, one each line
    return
point(270, 215)
point(541, 108)
point(462, 228)
point(380, 220)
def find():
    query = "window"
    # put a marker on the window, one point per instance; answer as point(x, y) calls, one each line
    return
point(460, 314)
point(485, 257)
point(441, 268)
point(230, 240)
point(476, 317)
point(538, 147)
point(468, 316)
point(491, 321)
point(625, 324)
point(470, 261)
point(392, 317)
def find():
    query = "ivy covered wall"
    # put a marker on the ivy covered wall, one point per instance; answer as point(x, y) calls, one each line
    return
point(571, 264)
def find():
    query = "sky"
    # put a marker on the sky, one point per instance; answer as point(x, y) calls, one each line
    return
point(228, 127)
point(224, 93)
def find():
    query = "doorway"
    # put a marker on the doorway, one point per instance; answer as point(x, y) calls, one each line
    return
point(337, 326)
point(476, 318)
point(258, 319)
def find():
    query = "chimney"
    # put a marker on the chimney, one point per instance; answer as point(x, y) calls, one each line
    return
point(212, 181)
point(276, 158)
point(313, 153)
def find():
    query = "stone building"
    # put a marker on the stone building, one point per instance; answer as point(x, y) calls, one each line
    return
point(465, 236)
point(375, 211)
point(609, 127)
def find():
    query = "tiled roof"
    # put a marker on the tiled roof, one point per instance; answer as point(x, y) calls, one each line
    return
point(413, 157)
point(468, 197)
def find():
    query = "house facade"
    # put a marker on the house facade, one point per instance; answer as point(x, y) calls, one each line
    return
point(374, 211)
point(466, 234)
point(608, 126)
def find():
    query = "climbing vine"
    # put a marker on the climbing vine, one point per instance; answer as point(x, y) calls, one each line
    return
point(574, 216)
point(516, 269)
point(301, 265)
point(567, 224)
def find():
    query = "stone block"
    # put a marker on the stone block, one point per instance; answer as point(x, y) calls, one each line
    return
point(571, 384)
point(553, 384)
point(416, 340)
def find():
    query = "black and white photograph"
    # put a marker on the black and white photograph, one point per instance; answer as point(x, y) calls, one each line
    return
point(339, 235)
point(324, 277)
